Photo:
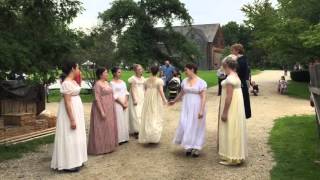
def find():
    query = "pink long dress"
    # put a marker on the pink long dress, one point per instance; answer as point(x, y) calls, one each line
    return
point(103, 136)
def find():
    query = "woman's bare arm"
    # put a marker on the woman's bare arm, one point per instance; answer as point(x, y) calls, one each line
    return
point(67, 102)
point(133, 90)
point(160, 89)
point(203, 97)
point(229, 94)
point(97, 95)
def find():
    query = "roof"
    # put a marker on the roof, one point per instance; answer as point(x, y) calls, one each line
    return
point(208, 30)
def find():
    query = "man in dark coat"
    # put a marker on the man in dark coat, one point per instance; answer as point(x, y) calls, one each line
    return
point(243, 73)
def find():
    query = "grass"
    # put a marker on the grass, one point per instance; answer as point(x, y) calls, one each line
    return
point(298, 90)
point(255, 71)
point(55, 95)
point(17, 150)
point(295, 144)
point(86, 96)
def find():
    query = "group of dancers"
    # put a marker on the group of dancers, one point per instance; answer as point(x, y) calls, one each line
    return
point(118, 112)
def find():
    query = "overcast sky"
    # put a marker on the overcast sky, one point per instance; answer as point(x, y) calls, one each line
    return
point(202, 11)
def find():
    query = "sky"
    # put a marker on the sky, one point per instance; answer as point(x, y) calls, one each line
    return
point(202, 11)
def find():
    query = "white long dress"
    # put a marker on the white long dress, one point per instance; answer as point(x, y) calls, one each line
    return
point(151, 121)
point(120, 92)
point(70, 146)
point(191, 130)
point(135, 111)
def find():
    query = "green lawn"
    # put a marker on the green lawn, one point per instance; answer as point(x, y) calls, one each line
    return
point(255, 71)
point(298, 90)
point(16, 151)
point(295, 144)
point(209, 76)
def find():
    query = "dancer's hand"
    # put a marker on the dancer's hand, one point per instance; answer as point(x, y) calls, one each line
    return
point(103, 115)
point(171, 103)
point(200, 115)
point(73, 124)
point(125, 105)
point(224, 117)
point(135, 103)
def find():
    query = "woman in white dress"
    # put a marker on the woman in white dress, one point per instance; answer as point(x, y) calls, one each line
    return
point(151, 121)
point(232, 118)
point(70, 145)
point(121, 94)
point(191, 129)
point(136, 99)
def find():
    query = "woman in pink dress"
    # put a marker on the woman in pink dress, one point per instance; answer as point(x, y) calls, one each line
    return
point(103, 136)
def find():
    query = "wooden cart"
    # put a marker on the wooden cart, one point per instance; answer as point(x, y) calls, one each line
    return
point(315, 90)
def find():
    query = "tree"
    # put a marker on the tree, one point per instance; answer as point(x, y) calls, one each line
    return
point(35, 38)
point(138, 38)
point(286, 34)
point(235, 33)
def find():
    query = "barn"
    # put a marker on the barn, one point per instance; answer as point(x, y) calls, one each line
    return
point(209, 38)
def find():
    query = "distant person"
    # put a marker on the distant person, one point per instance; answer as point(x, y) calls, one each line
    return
point(121, 95)
point(136, 99)
point(221, 76)
point(174, 85)
point(255, 88)
point(70, 144)
point(232, 122)
point(285, 69)
point(103, 133)
point(163, 78)
point(152, 110)
point(282, 85)
point(168, 71)
point(244, 74)
point(190, 133)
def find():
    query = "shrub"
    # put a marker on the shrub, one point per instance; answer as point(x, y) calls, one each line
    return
point(300, 76)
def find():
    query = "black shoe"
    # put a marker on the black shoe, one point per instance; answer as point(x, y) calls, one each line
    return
point(72, 170)
point(188, 152)
point(195, 153)
point(136, 135)
point(124, 142)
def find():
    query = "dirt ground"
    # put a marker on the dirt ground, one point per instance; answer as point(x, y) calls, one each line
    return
point(166, 160)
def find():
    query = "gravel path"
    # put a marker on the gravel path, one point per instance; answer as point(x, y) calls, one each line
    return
point(167, 161)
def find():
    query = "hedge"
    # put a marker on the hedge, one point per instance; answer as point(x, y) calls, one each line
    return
point(300, 76)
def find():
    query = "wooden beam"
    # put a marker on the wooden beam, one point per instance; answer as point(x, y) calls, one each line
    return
point(314, 90)
point(27, 135)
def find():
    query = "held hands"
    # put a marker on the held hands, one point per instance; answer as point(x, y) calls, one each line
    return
point(165, 102)
point(73, 124)
point(171, 103)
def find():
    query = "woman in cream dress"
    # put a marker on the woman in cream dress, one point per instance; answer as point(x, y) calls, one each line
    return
point(136, 99)
point(151, 119)
point(120, 93)
point(232, 120)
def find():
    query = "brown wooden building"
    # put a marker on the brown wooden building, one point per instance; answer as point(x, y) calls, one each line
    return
point(209, 38)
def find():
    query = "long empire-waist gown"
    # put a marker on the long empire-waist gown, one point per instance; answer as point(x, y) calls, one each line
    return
point(120, 92)
point(191, 130)
point(232, 133)
point(103, 135)
point(70, 146)
point(151, 121)
point(136, 87)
